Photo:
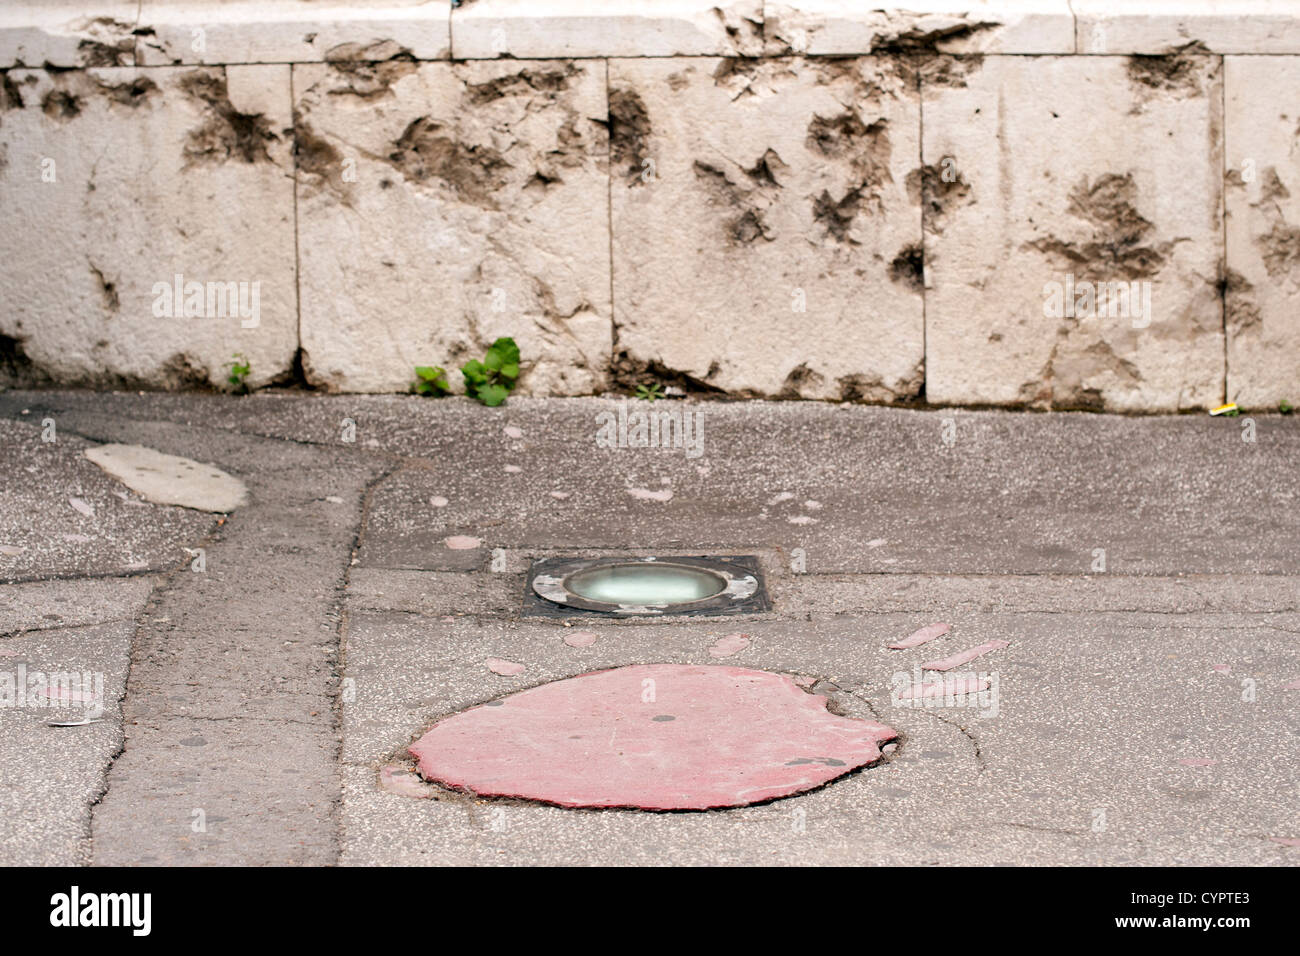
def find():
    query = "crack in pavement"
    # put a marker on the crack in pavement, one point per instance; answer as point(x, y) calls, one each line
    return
point(223, 796)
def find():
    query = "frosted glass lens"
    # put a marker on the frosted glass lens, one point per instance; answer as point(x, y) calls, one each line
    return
point(644, 583)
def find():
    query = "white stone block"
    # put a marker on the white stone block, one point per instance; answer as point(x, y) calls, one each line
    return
point(291, 31)
point(442, 206)
point(828, 27)
point(486, 29)
point(1164, 26)
point(117, 181)
point(764, 239)
point(1263, 230)
point(1046, 173)
point(66, 33)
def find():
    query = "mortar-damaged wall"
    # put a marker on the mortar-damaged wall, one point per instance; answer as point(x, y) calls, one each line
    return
point(1014, 202)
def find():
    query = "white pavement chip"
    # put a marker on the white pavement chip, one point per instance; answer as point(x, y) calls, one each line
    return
point(169, 480)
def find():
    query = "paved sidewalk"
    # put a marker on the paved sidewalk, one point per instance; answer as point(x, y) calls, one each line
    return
point(1143, 570)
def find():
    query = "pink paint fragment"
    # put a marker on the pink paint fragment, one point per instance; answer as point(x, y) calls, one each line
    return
point(1198, 762)
point(1286, 841)
point(948, 687)
point(805, 682)
point(729, 646)
point(80, 504)
point(1222, 668)
point(921, 636)
point(580, 638)
point(8, 652)
point(505, 668)
point(964, 657)
point(404, 783)
point(462, 542)
point(513, 432)
point(653, 736)
point(1294, 685)
point(645, 494)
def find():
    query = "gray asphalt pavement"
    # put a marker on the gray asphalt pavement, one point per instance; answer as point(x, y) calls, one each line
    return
point(1144, 571)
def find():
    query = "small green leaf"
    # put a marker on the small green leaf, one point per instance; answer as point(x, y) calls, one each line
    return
point(492, 395)
point(506, 348)
point(431, 380)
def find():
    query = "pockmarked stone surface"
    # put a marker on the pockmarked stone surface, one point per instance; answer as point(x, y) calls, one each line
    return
point(1262, 291)
point(291, 31)
point(764, 239)
point(149, 226)
point(444, 205)
point(1085, 275)
point(169, 479)
point(839, 27)
point(650, 736)
point(68, 33)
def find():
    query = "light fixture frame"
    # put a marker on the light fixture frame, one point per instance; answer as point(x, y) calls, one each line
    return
point(744, 591)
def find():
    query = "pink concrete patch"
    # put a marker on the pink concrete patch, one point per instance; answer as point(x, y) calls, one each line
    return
point(651, 736)
point(1198, 762)
point(964, 657)
point(729, 646)
point(462, 542)
point(921, 636)
point(948, 687)
point(505, 668)
point(580, 638)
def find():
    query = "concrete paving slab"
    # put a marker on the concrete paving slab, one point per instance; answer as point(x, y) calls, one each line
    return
point(40, 605)
point(51, 776)
point(1073, 759)
point(60, 516)
point(1033, 494)
point(942, 491)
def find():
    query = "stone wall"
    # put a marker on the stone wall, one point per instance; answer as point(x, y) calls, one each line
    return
point(1017, 202)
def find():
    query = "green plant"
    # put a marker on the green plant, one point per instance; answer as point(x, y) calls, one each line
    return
point(239, 368)
point(649, 392)
point(1285, 407)
point(430, 380)
point(491, 380)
